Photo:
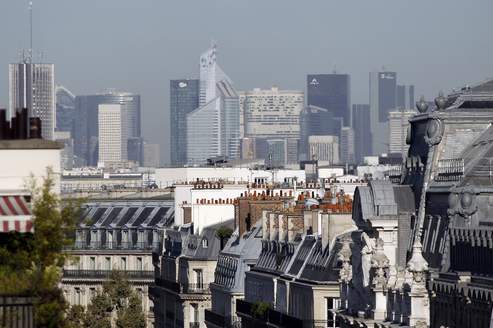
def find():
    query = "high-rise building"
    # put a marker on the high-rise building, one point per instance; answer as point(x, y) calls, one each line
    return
point(324, 149)
point(112, 126)
point(65, 109)
point(405, 96)
point(151, 155)
point(86, 115)
point(347, 145)
point(362, 131)
point(213, 129)
point(32, 86)
point(184, 99)
point(272, 113)
point(135, 150)
point(332, 92)
point(382, 101)
point(317, 121)
point(248, 150)
point(398, 125)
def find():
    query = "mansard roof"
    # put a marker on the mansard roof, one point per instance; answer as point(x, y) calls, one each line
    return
point(234, 259)
point(381, 199)
point(127, 214)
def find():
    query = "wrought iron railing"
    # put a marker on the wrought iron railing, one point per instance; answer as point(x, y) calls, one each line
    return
point(97, 245)
point(185, 288)
point(104, 274)
point(450, 170)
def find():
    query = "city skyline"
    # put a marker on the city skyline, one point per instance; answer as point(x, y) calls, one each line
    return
point(155, 55)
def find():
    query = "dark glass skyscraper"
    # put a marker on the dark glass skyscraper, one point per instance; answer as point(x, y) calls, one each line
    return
point(330, 91)
point(383, 91)
point(317, 121)
point(86, 131)
point(65, 109)
point(362, 132)
point(405, 97)
point(184, 98)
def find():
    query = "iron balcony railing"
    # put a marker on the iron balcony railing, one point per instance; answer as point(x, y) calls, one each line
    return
point(97, 245)
point(104, 274)
point(182, 288)
point(220, 320)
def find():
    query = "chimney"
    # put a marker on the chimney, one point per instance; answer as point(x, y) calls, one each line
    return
point(273, 226)
point(325, 217)
point(295, 226)
point(265, 225)
point(308, 221)
point(283, 226)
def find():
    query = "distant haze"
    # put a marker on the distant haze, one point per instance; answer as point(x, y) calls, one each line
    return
point(139, 45)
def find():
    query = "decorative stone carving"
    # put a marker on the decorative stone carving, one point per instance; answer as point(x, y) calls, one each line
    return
point(441, 101)
point(346, 272)
point(462, 202)
point(422, 105)
point(379, 262)
point(434, 132)
point(417, 265)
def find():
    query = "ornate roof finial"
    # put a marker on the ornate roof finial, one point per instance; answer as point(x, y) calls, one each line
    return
point(422, 105)
point(441, 101)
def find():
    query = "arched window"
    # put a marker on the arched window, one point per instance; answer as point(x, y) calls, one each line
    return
point(205, 243)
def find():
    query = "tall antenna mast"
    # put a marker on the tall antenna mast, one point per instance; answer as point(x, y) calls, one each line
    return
point(30, 31)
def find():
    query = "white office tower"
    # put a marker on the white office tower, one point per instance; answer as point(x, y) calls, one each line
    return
point(272, 113)
point(112, 124)
point(325, 149)
point(32, 86)
point(347, 145)
point(213, 129)
point(398, 125)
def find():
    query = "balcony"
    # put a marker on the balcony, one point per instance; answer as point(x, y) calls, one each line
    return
point(97, 245)
point(105, 274)
point(212, 318)
point(178, 288)
point(267, 318)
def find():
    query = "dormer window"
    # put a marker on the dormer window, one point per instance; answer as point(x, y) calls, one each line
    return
point(205, 243)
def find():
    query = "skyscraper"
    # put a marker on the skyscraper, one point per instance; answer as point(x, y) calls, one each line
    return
point(362, 131)
point(324, 149)
point(272, 113)
point(382, 101)
point(86, 115)
point(184, 98)
point(316, 121)
point(112, 126)
point(332, 92)
point(405, 96)
point(213, 129)
point(32, 86)
point(65, 109)
point(398, 125)
point(347, 145)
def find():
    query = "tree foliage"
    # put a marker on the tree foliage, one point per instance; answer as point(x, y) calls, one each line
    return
point(31, 264)
point(116, 305)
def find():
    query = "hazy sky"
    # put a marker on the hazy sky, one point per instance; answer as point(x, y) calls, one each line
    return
point(139, 45)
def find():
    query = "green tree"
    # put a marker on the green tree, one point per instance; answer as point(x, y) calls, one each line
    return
point(223, 233)
point(31, 264)
point(117, 303)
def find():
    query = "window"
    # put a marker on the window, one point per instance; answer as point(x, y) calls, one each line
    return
point(92, 292)
point(332, 304)
point(92, 263)
point(107, 263)
point(205, 243)
point(78, 296)
point(194, 315)
point(123, 263)
point(199, 278)
point(139, 263)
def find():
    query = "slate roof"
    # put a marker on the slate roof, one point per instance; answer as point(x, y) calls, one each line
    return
point(129, 214)
point(234, 259)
